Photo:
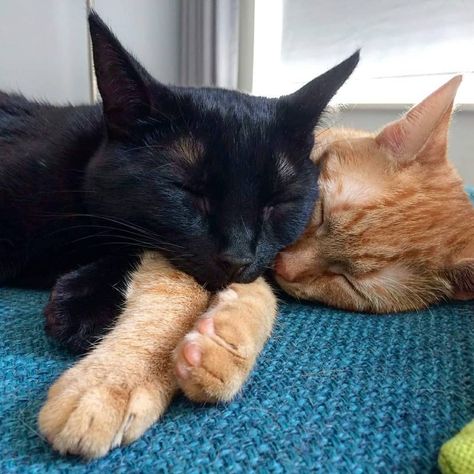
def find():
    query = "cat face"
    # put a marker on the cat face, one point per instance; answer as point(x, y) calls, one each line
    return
point(393, 227)
point(220, 181)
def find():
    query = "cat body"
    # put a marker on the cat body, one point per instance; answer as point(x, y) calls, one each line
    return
point(44, 151)
point(217, 180)
point(178, 335)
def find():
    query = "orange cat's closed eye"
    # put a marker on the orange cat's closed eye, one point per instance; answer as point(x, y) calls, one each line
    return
point(393, 229)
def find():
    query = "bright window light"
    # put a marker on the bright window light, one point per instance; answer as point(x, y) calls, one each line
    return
point(407, 48)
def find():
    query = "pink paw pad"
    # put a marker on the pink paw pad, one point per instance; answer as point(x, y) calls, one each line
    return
point(192, 358)
point(192, 353)
point(205, 326)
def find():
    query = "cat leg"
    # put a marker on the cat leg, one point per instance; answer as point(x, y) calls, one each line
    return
point(86, 302)
point(124, 385)
point(214, 360)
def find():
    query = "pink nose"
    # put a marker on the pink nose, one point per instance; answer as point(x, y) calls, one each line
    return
point(283, 268)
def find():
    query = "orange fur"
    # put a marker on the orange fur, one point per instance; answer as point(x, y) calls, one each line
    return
point(393, 224)
point(167, 337)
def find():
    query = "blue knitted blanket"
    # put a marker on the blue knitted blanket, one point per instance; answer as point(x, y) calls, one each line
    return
point(332, 392)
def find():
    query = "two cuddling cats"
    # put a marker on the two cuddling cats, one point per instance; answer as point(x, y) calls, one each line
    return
point(178, 336)
point(219, 182)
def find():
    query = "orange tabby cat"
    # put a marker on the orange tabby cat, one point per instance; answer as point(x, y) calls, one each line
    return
point(393, 230)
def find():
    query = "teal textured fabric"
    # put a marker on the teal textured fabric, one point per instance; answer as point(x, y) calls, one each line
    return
point(332, 392)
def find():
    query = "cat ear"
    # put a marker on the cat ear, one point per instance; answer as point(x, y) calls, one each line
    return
point(461, 277)
point(124, 85)
point(302, 109)
point(423, 130)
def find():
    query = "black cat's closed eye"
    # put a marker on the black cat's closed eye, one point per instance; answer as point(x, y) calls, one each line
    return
point(195, 192)
point(200, 200)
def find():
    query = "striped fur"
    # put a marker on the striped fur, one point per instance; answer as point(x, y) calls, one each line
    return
point(393, 229)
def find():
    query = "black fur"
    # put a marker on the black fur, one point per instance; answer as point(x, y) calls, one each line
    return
point(218, 180)
point(85, 302)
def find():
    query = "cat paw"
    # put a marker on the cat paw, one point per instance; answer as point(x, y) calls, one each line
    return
point(82, 306)
point(89, 412)
point(213, 360)
point(63, 321)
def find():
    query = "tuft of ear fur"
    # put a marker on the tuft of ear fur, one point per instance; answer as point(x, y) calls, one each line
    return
point(303, 108)
point(423, 130)
point(461, 277)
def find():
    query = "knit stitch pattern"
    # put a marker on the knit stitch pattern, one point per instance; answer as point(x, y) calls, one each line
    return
point(332, 392)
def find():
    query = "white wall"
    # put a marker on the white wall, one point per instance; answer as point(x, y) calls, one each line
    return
point(461, 141)
point(43, 49)
point(44, 43)
point(149, 29)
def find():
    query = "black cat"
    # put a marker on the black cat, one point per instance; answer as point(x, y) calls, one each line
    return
point(217, 180)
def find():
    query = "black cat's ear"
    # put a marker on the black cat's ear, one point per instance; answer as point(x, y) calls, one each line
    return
point(303, 108)
point(122, 82)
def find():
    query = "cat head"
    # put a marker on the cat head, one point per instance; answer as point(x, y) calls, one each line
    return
point(393, 228)
point(217, 179)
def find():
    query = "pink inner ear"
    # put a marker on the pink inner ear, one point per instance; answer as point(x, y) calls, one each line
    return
point(392, 137)
point(408, 135)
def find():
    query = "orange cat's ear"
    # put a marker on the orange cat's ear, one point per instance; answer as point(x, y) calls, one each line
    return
point(424, 128)
point(462, 279)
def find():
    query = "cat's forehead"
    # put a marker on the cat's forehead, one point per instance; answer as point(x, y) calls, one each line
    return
point(352, 177)
point(229, 105)
point(357, 173)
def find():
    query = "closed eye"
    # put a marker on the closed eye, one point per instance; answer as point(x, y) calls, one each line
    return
point(336, 270)
point(189, 189)
point(201, 201)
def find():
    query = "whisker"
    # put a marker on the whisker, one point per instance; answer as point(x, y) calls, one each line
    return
point(125, 240)
point(146, 233)
point(98, 226)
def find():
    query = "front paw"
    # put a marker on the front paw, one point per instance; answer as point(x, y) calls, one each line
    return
point(90, 410)
point(81, 308)
point(65, 324)
point(213, 360)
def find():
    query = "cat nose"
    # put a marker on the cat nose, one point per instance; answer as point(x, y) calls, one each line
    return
point(284, 269)
point(234, 265)
point(293, 266)
point(280, 267)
